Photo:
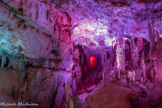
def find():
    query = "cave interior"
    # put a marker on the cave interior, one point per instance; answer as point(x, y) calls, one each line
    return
point(81, 53)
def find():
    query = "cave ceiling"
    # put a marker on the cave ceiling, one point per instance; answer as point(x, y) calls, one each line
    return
point(94, 23)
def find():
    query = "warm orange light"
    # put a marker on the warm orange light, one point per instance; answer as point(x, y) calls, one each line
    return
point(92, 61)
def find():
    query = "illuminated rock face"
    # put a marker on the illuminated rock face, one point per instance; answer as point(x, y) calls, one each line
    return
point(93, 22)
point(19, 38)
point(65, 48)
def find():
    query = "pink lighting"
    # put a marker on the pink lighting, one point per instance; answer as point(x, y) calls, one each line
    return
point(92, 61)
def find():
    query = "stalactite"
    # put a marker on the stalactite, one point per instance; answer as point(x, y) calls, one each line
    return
point(151, 34)
point(152, 47)
point(134, 53)
point(157, 36)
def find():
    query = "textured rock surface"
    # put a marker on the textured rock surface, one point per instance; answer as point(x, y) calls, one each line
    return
point(18, 37)
point(93, 18)
point(47, 46)
point(9, 86)
point(119, 97)
point(45, 87)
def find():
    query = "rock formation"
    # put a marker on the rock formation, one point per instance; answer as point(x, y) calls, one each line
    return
point(81, 53)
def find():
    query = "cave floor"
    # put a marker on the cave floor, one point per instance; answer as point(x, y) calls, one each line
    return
point(9, 84)
point(115, 95)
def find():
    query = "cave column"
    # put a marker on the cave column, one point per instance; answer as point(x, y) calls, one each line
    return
point(120, 56)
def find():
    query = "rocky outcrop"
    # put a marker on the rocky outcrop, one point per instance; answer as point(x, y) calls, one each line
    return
point(119, 97)
point(45, 87)
point(18, 37)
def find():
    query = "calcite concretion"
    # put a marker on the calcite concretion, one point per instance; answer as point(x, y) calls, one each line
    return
point(120, 56)
point(60, 52)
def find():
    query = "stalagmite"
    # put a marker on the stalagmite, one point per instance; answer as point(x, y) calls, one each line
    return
point(155, 51)
point(134, 53)
point(139, 44)
point(3, 62)
point(154, 62)
point(143, 66)
point(131, 76)
point(68, 97)
point(159, 57)
point(120, 56)
point(103, 78)
point(152, 72)
point(22, 68)
point(76, 71)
